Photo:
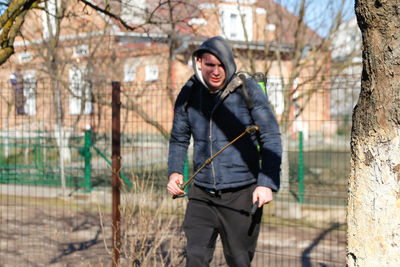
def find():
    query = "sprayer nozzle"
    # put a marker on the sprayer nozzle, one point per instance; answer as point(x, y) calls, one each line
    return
point(252, 128)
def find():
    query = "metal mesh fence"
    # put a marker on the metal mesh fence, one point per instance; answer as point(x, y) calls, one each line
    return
point(55, 178)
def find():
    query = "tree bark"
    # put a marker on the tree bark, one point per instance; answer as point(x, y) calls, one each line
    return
point(374, 191)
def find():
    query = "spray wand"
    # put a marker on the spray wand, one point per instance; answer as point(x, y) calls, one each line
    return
point(249, 129)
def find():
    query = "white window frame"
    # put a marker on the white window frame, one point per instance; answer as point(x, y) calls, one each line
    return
point(29, 92)
point(236, 22)
point(270, 27)
point(197, 21)
point(78, 87)
point(129, 72)
point(151, 73)
point(275, 93)
point(81, 51)
point(25, 57)
point(234, 30)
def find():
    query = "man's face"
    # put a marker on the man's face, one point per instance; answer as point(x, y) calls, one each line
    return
point(212, 70)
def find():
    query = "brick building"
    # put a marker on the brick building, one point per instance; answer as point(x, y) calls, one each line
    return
point(67, 61)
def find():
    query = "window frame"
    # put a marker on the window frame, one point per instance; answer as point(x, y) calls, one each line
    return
point(151, 73)
point(77, 85)
point(225, 15)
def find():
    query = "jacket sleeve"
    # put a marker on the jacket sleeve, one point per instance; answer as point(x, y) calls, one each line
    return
point(180, 134)
point(270, 138)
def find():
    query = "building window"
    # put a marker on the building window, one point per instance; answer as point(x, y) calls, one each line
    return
point(80, 100)
point(25, 57)
point(275, 94)
point(151, 73)
point(235, 22)
point(30, 93)
point(129, 72)
point(81, 51)
point(24, 89)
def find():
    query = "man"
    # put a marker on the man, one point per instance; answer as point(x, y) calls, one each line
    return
point(212, 109)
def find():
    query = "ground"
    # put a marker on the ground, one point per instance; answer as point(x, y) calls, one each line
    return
point(48, 232)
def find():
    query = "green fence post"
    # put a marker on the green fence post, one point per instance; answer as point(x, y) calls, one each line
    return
point(1, 151)
point(38, 157)
point(301, 186)
point(88, 157)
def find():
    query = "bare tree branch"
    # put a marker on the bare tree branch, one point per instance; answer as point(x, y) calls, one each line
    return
point(106, 11)
point(11, 22)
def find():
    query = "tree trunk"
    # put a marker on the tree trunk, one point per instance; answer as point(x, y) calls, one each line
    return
point(59, 132)
point(6, 130)
point(374, 191)
point(285, 185)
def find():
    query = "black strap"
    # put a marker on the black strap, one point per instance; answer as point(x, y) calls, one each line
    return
point(229, 89)
point(245, 94)
point(232, 85)
point(250, 106)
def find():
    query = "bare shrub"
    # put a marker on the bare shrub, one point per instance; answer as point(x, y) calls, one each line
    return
point(150, 230)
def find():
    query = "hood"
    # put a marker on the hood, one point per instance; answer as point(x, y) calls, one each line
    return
point(220, 48)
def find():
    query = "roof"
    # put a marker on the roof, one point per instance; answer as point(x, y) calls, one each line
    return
point(286, 23)
point(174, 20)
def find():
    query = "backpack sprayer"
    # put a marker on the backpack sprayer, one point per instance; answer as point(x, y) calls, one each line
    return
point(249, 129)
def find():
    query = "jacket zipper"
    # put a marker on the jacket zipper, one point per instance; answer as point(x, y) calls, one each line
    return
point(211, 143)
point(211, 152)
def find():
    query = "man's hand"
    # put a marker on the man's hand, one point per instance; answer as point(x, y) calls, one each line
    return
point(172, 186)
point(263, 194)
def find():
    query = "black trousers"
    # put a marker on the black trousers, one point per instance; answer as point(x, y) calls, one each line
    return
point(225, 213)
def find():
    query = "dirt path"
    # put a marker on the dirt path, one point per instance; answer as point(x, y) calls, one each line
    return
point(52, 234)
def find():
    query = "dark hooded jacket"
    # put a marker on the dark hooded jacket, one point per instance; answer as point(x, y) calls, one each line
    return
point(216, 119)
